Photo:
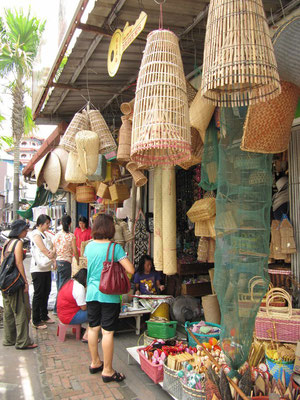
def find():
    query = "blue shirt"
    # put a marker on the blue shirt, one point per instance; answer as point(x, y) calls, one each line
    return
point(147, 282)
point(95, 253)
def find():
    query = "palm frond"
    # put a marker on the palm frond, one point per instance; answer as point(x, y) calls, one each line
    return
point(29, 124)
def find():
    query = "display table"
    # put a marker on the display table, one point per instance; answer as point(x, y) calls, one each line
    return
point(137, 314)
point(132, 353)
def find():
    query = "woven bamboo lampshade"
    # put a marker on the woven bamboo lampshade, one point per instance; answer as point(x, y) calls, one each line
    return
point(239, 66)
point(160, 128)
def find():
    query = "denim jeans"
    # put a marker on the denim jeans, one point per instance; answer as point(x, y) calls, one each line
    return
point(79, 318)
point(64, 271)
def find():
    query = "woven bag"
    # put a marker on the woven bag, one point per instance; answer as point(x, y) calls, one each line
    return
point(123, 153)
point(79, 122)
point(87, 144)
point(103, 191)
point(202, 210)
point(119, 192)
point(74, 173)
point(201, 112)
point(98, 125)
point(196, 151)
point(139, 178)
point(85, 194)
point(268, 125)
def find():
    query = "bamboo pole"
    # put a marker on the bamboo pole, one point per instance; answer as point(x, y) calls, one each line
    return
point(232, 383)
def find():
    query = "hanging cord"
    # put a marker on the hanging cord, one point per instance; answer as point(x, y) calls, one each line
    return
point(161, 21)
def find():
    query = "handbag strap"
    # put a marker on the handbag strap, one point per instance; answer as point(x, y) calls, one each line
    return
point(113, 251)
point(13, 248)
point(107, 253)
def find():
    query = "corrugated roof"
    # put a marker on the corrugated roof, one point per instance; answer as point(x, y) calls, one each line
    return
point(85, 72)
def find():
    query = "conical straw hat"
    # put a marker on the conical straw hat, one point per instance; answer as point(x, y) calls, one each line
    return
point(62, 154)
point(38, 170)
point(52, 172)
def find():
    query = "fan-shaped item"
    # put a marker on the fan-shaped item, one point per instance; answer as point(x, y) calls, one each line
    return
point(239, 65)
point(185, 308)
point(160, 129)
point(79, 122)
point(268, 125)
point(87, 144)
point(52, 172)
point(38, 168)
point(98, 125)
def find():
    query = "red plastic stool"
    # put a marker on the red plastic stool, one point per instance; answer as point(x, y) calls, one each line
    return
point(62, 330)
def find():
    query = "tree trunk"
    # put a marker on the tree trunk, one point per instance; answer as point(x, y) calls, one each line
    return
point(18, 115)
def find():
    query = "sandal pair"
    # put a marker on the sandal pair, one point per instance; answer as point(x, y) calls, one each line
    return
point(116, 377)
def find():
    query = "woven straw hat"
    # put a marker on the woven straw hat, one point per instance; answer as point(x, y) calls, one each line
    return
point(38, 170)
point(52, 172)
point(87, 144)
point(139, 178)
point(268, 125)
point(74, 173)
point(62, 154)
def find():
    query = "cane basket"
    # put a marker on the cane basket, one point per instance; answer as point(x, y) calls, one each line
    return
point(119, 192)
point(171, 382)
point(196, 152)
point(191, 394)
point(123, 153)
point(160, 129)
point(127, 107)
point(74, 173)
point(98, 125)
point(103, 191)
point(201, 112)
point(87, 144)
point(85, 194)
point(79, 122)
point(202, 210)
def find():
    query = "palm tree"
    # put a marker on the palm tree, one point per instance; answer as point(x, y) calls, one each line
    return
point(20, 37)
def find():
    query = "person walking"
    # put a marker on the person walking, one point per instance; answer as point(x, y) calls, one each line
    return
point(82, 232)
point(16, 307)
point(103, 309)
point(64, 245)
point(43, 256)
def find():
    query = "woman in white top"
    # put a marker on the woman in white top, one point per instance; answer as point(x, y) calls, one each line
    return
point(43, 257)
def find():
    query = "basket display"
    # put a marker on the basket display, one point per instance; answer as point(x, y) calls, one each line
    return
point(202, 210)
point(278, 323)
point(189, 393)
point(119, 192)
point(160, 128)
point(155, 372)
point(172, 382)
point(162, 330)
point(201, 337)
point(85, 194)
point(277, 368)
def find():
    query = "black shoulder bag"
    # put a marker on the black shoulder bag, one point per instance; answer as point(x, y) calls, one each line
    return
point(11, 279)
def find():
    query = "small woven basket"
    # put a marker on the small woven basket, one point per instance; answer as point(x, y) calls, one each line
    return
point(171, 382)
point(202, 210)
point(87, 144)
point(74, 173)
point(119, 192)
point(98, 125)
point(201, 112)
point(196, 152)
point(103, 191)
point(127, 107)
point(192, 394)
point(139, 178)
point(79, 122)
point(85, 194)
point(123, 153)
point(268, 125)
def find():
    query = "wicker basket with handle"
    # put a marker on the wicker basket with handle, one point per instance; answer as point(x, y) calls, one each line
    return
point(278, 323)
point(103, 191)
point(119, 192)
point(202, 209)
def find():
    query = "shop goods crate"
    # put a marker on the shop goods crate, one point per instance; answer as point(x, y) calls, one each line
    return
point(200, 336)
point(277, 367)
point(171, 382)
point(155, 372)
point(162, 330)
point(191, 394)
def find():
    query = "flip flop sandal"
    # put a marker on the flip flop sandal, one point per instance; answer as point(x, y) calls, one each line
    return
point(29, 347)
point(96, 369)
point(116, 377)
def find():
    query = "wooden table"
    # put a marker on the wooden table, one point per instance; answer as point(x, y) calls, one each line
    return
point(137, 314)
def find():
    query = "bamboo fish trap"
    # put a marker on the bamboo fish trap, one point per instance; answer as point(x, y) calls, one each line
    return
point(98, 125)
point(160, 130)
point(239, 65)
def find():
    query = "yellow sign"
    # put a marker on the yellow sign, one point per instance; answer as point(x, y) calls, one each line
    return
point(121, 40)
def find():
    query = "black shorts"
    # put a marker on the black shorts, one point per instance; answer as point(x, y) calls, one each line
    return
point(105, 315)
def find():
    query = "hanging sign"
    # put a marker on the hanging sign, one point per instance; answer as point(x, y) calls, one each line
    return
point(121, 40)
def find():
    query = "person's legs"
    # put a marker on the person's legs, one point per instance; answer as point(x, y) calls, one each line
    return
point(23, 339)
point(64, 271)
point(108, 351)
point(37, 278)
point(93, 346)
point(46, 287)
point(9, 323)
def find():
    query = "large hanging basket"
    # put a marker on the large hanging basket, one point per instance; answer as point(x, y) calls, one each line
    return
point(74, 173)
point(160, 129)
point(98, 125)
point(85, 194)
point(79, 122)
point(123, 154)
point(268, 125)
point(87, 143)
point(239, 65)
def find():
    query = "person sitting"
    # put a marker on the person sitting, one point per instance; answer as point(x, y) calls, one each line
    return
point(146, 279)
point(71, 304)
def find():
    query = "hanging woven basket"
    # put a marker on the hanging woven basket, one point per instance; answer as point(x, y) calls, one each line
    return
point(100, 173)
point(87, 144)
point(139, 178)
point(201, 112)
point(127, 108)
point(79, 122)
point(98, 125)
point(160, 128)
point(103, 191)
point(119, 192)
point(268, 125)
point(74, 173)
point(239, 65)
point(85, 194)
point(123, 154)
point(197, 150)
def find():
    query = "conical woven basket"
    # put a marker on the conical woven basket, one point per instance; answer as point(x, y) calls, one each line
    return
point(127, 108)
point(79, 122)
point(87, 144)
point(201, 112)
point(98, 125)
point(268, 125)
point(190, 91)
point(74, 173)
point(139, 178)
point(160, 129)
point(197, 150)
point(239, 65)
point(123, 153)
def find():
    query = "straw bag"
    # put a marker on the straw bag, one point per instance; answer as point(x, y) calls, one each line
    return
point(74, 173)
point(139, 178)
point(201, 112)
point(123, 153)
point(196, 152)
point(79, 122)
point(87, 143)
point(119, 192)
point(268, 125)
point(98, 125)
point(202, 210)
point(278, 323)
point(85, 194)
point(206, 228)
point(103, 191)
